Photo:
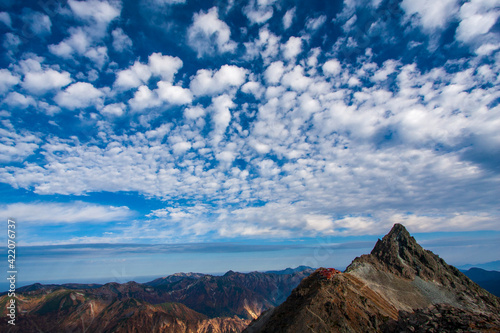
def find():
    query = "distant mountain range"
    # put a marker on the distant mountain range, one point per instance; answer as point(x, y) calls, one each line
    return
point(291, 270)
point(183, 302)
point(489, 280)
point(399, 287)
point(489, 266)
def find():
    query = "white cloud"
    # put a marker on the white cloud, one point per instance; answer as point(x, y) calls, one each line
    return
point(31, 64)
point(259, 11)
point(79, 95)
point(47, 213)
point(181, 147)
point(16, 99)
point(467, 221)
point(226, 156)
point(179, 213)
point(288, 18)
point(261, 148)
point(143, 99)
point(319, 222)
point(388, 68)
point(11, 42)
point(274, 72)
point(63, 49)
point(121, 42)
point(206, 82)
point(101, 12)
point(78, 42)
point(49, 109)
point(295, 79)
point(292, 48)
point(254, 88)
point(475, 25)
point(15, 147)
point(314, 24)
point(5, 19)
point(336, 150)
point(99, 55)
point(92, 75)
point(308, 105)
point(46, 80)
point(7, 80)
point(209, 35)
point(432, 14)
point(133, 77)
point(487, 49)
point(194, 112)
point(36, 23)
point(87, 40)
point(165, 66)
point(116, 109)
point(174, 94)
point(477, 18)
point(138, 74)
point(332, 67)
point(221, 116)
point(266, 46)
point(353, 81)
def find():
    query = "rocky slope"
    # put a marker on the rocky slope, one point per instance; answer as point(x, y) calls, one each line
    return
point(399, 287)
point(180, 303)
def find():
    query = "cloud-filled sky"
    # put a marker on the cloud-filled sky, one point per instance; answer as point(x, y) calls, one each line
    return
point(187, 121)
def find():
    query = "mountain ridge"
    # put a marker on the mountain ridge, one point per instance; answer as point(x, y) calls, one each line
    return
point(184, 302)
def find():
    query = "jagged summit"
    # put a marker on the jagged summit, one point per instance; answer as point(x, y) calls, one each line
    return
point(399, 253)
point(397, 241)
point(230, 273)
point(400, 235)
point(398, 266)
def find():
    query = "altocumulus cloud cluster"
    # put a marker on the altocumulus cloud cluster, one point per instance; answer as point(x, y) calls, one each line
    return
point(261, 118)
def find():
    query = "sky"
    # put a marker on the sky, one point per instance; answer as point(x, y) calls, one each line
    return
point(147, 137)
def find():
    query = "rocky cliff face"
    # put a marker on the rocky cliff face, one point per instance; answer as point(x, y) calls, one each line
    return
point(398, 287)
point(180, 303)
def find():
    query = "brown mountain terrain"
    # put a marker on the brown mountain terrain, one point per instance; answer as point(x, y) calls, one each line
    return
point(177, 303)
point(399, 287)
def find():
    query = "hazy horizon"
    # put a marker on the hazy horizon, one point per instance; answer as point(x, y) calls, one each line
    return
point(103, 263)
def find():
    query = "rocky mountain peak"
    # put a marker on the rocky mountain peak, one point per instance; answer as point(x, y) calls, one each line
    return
point(230, 273)
point(400, 254)
point(398, 242)
point(398, 287)
point(400, 235)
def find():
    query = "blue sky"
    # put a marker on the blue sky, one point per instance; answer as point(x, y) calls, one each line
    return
point(263, 124)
